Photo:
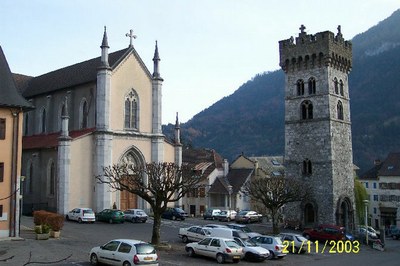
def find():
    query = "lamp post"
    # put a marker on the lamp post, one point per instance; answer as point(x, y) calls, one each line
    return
point(230, 196)
point(366, 219)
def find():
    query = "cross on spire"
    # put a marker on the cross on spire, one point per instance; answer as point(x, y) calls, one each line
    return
point(131, 37)
point(302, 28)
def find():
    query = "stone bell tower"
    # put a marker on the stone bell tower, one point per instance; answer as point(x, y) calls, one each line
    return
point(318, 147)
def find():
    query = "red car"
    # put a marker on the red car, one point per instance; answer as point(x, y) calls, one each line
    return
point(325, 232)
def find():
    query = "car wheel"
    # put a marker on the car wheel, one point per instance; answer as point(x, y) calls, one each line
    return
point(394, 237)
point(93, 259)
point(185, 239)
point(190, 252)
point(248, 256)
point(67, 217)
point(229, 219)
point(143, 221)
point(79, 220)
point(110, 221)
point(220, 258)
point(173, 217)
point(271, 255)
point(126, 263)
point(133, 220)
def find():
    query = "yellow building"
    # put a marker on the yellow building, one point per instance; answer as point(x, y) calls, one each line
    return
point(12, 105)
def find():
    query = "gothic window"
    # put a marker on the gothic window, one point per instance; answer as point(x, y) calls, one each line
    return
point(306, 110)
point(336, 85)
point(341, 87)
point(51, 178)
point(307, 167)
point(83, 114)
point(131, 110)
point(300, 87)
point(339, 110)
point(1, 172)
point(2, 128)
point(311, 86)
point(43, 121)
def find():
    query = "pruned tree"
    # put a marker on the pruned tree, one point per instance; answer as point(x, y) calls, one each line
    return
point(274, 193)
point(156, 183)
point(360, 194)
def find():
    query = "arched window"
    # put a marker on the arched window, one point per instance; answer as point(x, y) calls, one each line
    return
point(336, 84)
point(51, 179)
point(341, 87)
point(300, 87)
point(43, 121)
point(131, 110)
point(83, 114)
point(307, 167)
point(311, 85)
point(340, 110)
point(306, 110)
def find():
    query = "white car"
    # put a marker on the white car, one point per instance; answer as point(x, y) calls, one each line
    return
point(252, 252)
point(222, 249)
point(245, 229)
point(81, 215)
point(272, 243)
point(248, 217)
point(193, 233)
point(124, 252)
point(295, 243)
point(226, 215)
point(135, 215)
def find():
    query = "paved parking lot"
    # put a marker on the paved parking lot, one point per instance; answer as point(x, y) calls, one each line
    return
point(77, 239)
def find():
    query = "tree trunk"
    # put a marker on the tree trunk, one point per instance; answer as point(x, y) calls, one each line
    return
point(156, 237)
point(275, 226)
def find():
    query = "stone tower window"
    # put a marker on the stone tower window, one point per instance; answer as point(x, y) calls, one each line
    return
point(306, 110)
point(336, 84)
point(341, 87)
point(131, 110)
point(311, 86)
point(2, 128)
point(340, 110)
point(307, 167)
point(43, 121)
point(300, 87)
point(83, 114)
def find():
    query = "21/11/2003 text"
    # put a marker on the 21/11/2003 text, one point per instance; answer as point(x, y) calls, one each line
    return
point(331, 247)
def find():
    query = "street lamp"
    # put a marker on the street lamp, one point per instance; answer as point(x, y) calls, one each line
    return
point(366, 219)
point(230, 196)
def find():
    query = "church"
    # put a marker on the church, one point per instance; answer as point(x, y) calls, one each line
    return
point(93, 114)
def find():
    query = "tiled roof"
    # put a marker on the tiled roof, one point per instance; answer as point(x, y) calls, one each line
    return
point(236, 178)
point(371, 174)
point(195, 156)
point(50, 140)
point(272, 165)
point(9, 94)
point(391, 166)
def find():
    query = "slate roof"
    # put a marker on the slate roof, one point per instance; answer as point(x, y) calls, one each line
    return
point(389, 167)
point(236, 178)
point(9, 94)
point(272, 165)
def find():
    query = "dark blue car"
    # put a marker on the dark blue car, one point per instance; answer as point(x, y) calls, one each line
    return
point(174, 214)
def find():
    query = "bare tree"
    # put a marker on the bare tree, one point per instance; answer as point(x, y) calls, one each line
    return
point(156, 183)
point(274, 193)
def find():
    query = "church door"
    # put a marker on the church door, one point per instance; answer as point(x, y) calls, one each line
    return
point(309, 215)
point(128, 200)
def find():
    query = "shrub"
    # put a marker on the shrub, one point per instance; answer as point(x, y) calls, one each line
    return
point(42, 229)
point(40, 217)
point(55, 221)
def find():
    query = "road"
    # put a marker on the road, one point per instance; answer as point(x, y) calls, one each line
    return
point(77, 240)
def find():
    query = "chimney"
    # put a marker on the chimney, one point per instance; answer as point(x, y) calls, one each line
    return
point(225, 165)
point(377, 162)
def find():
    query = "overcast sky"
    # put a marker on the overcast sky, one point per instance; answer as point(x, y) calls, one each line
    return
point(208, 48)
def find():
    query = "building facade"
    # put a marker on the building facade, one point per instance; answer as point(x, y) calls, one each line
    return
point(93, 114)
point(318, 147)
point(382, 183)
point(12, 106)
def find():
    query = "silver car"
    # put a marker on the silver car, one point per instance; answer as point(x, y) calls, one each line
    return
point(272, 243)
point(295, 243)
point(135, 215)
point(252, 252)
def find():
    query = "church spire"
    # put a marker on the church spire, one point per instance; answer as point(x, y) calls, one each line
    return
point(104, 49)
point(156, 60)
point(177, 130)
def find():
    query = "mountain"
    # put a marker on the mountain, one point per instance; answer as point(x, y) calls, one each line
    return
point(251, 120)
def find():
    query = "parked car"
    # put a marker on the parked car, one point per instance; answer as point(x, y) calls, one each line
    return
point(174, 214)
point(325, 232)
point(211, 214)
point(227, 215)
point(215, 226)
point(252, 252)
point(244, 228)
point(194, 233)
point(111, 216)
point(361, 231)
point(295, 243)
point(81, 215)
point(248, 217)
point(395, 233)
point(272, 243)
point(124, 252)
point(135, 215)
point(228, 233)
point(222, 249)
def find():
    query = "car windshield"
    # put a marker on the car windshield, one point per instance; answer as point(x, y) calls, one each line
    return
point(231, 244)
point(250, 243)
point(278, 240)
point(223, 212)
point(301, 239)
point(243, 212)
point(144, 248)
point(140, 212)
point(179, 210)
point(87, 212)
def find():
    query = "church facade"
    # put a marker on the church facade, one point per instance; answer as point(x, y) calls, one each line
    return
point(318, 146)
point(93, 114)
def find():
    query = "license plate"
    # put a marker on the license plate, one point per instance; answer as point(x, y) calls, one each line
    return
point(236, 257)
point(148, 258)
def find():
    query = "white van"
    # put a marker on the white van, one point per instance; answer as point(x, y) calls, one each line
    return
point(228, 233)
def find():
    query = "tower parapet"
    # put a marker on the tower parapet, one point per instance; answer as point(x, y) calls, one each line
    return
point(308, 51)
